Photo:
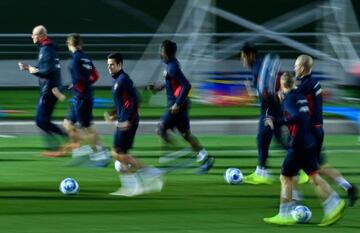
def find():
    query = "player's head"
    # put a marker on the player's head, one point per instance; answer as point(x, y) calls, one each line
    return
point(39, 34)
point(248, 54)
point(287, 82)
point(114, 62)
point(168, 50)
point(74, 42)
point(303, 65)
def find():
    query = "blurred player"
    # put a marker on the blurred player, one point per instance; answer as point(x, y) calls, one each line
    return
point(48, 72)
point(83, 75)
point(135, 178)
point(311, 89)
point(177, 114)
point(301, 155)
point(269, 107)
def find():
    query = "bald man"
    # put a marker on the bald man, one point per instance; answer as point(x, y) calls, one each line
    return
point(311, 89)
point(48, 72)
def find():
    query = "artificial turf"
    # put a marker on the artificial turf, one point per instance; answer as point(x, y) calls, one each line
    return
point(31, 202)
point(151, 106)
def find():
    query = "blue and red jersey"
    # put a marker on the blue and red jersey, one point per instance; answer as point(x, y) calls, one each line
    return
point(296, 116)
point(176, 84)
point(49, 67)
point(83, 74)
point(269, 105)
point(311, 89)
point(125, 98)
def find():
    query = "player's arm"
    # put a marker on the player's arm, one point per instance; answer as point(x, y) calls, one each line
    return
point(26, 67)
point(75, 74)
point(156, 87)
point(185, 86)
point(293, 108)
point(58, 94)
point(110, 115)
point(129, 103)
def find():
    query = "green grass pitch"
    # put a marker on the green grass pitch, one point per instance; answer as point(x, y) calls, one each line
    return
point(30, 201)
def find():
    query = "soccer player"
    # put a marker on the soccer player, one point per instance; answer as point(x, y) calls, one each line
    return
point(301, 155)
point(48, 72)
point(269, 106)
point(177, 114)
point(135, 178)
point(311, 89)
point(83, 76)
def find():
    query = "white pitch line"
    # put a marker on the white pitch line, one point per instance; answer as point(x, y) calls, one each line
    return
point(7, 136)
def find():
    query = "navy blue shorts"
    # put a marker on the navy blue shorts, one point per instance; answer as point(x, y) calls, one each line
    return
point(81, 112)
point(123, 140)
point(299, 158)
point(179, 120)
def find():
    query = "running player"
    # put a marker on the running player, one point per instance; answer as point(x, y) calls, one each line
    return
point(269, 106)
point(311, 89)
point(177, 113)
point(135, 178)
point(48, 72)
point(301, 155)
point(83, 76)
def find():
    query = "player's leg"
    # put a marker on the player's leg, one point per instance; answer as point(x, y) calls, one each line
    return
point(333, 205)
point(331, 172)
point(123, 142)
point(126, 165)
point(71, 130)
point(167, 122)
point(85, 117)
point(206, 161)
point(261, 174)
point(50, 102)
point(42, 120)
point(263, 142)
point(290, 168)
point(136, 178)
point(183, 126)
point(69, 125)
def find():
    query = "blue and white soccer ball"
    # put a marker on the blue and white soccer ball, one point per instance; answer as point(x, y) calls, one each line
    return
point(233, 176)
point(69, 186)
point(301, 214)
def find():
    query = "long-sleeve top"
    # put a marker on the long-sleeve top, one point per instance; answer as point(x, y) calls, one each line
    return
point(176, 84)
point(269, 104)
point(83, 74)
point(125, 98)
point(49, 67)
point(311, 89)
point(296, 116)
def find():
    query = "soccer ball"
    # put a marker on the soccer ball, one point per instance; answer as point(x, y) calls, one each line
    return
point(301, 214)
point(69, 186)
point(233, 176)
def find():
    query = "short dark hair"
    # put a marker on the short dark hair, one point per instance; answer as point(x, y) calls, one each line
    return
point(74, 39)
point(248, 48)
point(116, 56)
point(170, 47)
point(289, 80)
